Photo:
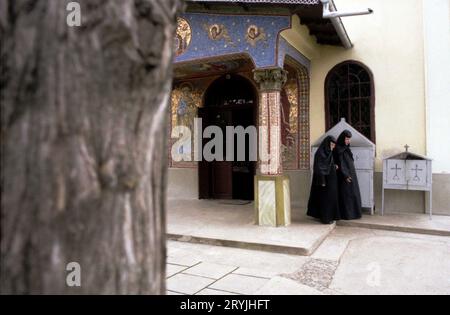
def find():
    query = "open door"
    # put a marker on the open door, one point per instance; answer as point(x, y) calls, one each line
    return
point(230, 101)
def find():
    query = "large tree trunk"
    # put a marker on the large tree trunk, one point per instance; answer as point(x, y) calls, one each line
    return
point(83, 128)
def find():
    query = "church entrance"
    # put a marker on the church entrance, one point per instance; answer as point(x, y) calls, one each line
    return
point(230, 101)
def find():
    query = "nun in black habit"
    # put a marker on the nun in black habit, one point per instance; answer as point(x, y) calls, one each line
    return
point(349, 194)
point(323, 200)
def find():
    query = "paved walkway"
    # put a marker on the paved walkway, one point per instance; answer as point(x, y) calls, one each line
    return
point(349, 261)
point(222, 251)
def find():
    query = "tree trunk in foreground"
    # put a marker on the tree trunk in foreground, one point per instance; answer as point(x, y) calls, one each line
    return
point(83, 128)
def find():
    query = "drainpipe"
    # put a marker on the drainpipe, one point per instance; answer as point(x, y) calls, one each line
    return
point(330, 12)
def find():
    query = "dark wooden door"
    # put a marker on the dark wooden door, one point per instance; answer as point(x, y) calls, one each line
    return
point(215, 178)
point(203, 166)
point(221, 171)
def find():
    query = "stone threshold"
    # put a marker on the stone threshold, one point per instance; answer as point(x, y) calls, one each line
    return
point(384, 227)
point(407, 223)
point(267, 247)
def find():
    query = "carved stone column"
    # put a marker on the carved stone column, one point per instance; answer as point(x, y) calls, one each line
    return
point(272, 196)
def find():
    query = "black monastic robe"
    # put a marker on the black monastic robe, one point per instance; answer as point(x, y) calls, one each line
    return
point(349, 194)
point(323, 201)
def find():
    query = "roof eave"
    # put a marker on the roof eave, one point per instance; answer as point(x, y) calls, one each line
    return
point(337, 23)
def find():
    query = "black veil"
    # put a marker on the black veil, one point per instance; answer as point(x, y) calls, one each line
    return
point(323, 159)
point(340, 144)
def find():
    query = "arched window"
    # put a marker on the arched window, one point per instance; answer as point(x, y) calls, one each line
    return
point(349, 94)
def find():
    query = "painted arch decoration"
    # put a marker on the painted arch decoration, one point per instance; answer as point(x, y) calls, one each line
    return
point(202, 36)
point(228, 41)
point(295, 133)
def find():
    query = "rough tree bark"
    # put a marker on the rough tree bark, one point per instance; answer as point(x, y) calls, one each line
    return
point(83, 127)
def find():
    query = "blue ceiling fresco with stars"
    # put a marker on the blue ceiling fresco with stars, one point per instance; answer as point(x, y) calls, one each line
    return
point(209, 35)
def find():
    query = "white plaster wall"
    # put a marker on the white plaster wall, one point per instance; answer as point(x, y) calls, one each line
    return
point(437, 75)
point(182, 183)
point(390, 43)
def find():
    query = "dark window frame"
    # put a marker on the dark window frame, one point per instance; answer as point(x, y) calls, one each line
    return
point(330, 75)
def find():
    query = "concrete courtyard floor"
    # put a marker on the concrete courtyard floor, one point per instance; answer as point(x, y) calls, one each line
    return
point(350, 261)
point(215, 248)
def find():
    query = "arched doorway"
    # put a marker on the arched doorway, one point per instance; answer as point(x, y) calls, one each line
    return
point(231, 100)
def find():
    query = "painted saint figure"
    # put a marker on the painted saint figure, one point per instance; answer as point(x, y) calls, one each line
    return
point(323, 201)
point(349, 194)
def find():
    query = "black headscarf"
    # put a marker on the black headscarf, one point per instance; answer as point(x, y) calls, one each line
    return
point(340, 145)
point(323, 160)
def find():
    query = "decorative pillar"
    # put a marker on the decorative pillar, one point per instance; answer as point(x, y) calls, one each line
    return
point(272, 195)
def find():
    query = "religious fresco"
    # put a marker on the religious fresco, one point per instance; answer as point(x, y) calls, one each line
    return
point(289, 120)
point(185, 100)
point(182, 37)
point(218, 32)
point(186, 97)
point(216, 35)
point(295, 133)
point(214, 67)
point(256, 34)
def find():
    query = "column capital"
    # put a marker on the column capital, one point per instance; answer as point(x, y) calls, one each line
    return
point(271, 79)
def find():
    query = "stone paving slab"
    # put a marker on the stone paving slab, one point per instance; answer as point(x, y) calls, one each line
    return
point(186, 261)
point(258, 273)
point(336, 243)
point(187, 284)
point(210, 270)
point(173, 269)
point(214, 292)
point(239, 284)
point(284, 286)
point(257, 261)
point(173, 293)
